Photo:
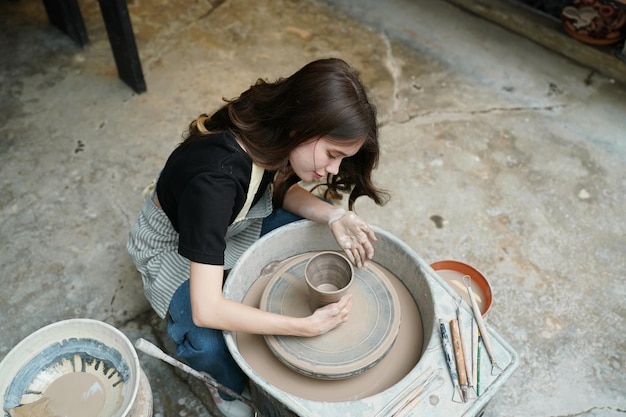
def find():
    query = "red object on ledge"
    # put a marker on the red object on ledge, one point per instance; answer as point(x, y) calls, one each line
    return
point(595, 22)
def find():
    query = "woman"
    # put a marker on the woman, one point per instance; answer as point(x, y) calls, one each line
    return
point(234, 178)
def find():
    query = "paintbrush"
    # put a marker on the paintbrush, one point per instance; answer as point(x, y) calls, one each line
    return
point(457, 396)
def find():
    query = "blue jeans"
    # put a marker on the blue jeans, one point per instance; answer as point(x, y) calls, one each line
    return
point(205, 349)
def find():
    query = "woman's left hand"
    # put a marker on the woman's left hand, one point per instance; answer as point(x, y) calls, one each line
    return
point(353, 235)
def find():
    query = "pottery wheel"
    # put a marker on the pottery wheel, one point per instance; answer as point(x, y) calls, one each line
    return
point(348, 350)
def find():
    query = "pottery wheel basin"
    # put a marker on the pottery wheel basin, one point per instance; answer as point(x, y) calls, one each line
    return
point(424, 296)
point(251, 275)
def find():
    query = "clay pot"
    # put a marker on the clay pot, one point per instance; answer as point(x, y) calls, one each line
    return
point(328, 276)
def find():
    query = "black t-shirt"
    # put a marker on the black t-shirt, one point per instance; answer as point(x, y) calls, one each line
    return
point(202, 189)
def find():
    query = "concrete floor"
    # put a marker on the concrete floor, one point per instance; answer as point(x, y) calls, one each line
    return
point(497, 152)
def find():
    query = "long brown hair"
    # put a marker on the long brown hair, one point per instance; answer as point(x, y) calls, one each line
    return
point(323, 98)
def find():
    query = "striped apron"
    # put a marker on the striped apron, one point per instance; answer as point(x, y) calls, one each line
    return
point(153, 244)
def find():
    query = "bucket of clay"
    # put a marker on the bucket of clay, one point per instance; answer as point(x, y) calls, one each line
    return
point(74, 368)
point(280, 394)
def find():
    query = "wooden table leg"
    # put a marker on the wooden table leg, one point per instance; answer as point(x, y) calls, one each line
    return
point(65, 15)
point(122, 39)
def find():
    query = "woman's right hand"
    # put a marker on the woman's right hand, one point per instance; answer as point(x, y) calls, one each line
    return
point(353, 235)
point(330, 316)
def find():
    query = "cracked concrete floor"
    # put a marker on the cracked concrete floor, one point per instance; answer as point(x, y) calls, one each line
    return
point(497, 152)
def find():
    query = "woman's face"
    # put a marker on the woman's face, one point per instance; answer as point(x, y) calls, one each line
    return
point(313, 159)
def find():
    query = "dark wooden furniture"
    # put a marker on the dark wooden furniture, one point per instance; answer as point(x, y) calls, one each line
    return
point(66, 15)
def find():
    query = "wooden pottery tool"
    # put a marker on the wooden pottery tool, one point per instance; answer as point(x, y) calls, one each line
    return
point(152, 350)
point(495, 368)
point(414, 399)
point(411, 390)
point(475, 353)
point(480, 339)
point(457, 396)
point(466, 349)
point(459, 357)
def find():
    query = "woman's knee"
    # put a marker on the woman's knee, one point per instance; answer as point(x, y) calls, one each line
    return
point(206, 341)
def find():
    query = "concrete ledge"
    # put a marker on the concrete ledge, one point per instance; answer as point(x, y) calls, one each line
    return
point(547, 31)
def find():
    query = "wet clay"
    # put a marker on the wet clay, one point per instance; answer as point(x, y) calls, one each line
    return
point(352, 348)
point(455, 280)
point(77, 394)
point(327, 287)
point(400, 359)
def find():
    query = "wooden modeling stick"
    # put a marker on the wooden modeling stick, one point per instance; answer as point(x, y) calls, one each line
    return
point(460, 357)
